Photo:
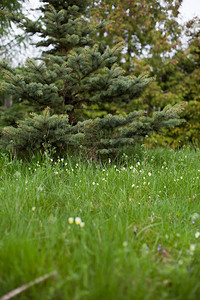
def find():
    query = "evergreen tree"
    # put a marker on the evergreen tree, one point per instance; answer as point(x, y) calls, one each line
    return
point(9, 38)
point(39, 132)
point(74, 75)
point(6, 7)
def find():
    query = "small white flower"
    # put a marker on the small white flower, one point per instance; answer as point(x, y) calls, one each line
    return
point(70, 220)
point(133, 185)
point(197, 234)
point(109, 160)
point(192, 247)
point(125, 244)
point(56, 173)
point(149, 173)
point(93, 183)
point(33, 208)
point(78, 220)
point(82, 224)
point(195, 216)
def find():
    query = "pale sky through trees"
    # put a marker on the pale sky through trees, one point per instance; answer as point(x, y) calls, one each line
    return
point(189, 9)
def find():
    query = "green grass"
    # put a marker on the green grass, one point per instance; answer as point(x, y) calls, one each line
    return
point(141, 218)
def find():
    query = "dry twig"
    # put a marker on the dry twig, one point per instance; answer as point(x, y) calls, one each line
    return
point(24, 287)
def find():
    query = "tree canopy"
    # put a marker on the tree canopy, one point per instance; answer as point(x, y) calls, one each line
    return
point(72, 76)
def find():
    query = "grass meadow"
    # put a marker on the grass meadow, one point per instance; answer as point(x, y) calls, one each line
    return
point(112, 230)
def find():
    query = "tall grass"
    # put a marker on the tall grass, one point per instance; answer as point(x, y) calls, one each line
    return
point(139, 237)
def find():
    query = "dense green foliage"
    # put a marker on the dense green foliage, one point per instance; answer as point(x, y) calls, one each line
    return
point(9, 38)
point(140, 237)
point(174, 66)
point(42, 132)
point(7, 7)
point(148, 28)
point(76, 74)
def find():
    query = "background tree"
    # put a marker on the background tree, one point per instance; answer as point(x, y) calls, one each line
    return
point(74, 74)
point(155, 46)
point(11, 44)
point(180, 81)
point(6, 7)
point(149, 28)
point(8, 40)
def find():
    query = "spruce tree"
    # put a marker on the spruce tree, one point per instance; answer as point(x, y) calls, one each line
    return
point(74, 75)
point(42, 133)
